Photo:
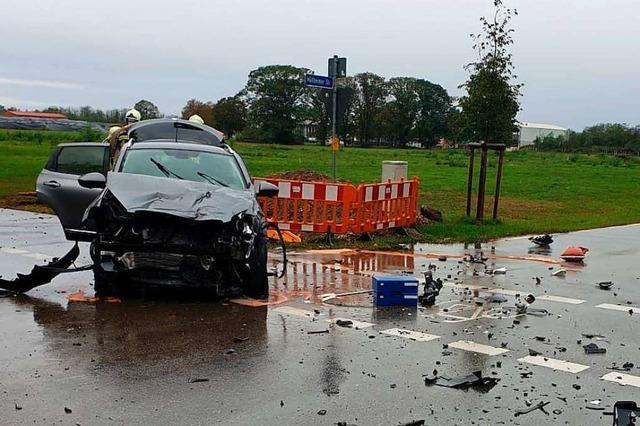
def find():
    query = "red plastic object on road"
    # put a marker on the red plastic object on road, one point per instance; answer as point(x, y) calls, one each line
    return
point(574, 254)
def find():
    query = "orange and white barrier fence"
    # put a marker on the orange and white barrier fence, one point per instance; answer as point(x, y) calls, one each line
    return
point(339, 207)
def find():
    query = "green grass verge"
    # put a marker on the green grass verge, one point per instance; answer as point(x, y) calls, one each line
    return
point(541, 192)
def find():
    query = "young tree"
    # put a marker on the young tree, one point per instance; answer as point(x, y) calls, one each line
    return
point(491, 103)
point(147, 109)
point(277, 99)
point(230, 115)
point(203, 109)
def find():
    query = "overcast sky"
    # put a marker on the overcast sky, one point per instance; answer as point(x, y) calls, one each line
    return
point(579, 59)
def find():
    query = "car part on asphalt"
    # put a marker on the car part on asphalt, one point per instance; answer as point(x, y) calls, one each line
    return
point(542, 240)
point(605, 285)
point(625, 413)
point(40, 275)
point(593, 348)
point(473, 380)
point(559, 273)
point(431, 289)
point(574, 254)
point(539, 406)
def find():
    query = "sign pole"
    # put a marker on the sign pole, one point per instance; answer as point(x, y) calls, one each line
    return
point(334, 115)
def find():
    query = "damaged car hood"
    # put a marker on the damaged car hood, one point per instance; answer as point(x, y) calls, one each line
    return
point(182, 198)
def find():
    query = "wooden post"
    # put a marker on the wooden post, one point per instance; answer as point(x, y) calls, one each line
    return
point(482, 182)
point(470, 180)
point(496, 197)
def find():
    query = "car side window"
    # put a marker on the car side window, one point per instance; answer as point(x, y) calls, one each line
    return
point(78, 160)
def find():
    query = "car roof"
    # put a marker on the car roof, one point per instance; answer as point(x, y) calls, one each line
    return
point(161, 128)
point(83, 144)
point(186, 146)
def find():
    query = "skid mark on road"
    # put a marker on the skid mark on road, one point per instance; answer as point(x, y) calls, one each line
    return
point(467, 345)
point(555, 364)
point(622, 378)
point(410, 334)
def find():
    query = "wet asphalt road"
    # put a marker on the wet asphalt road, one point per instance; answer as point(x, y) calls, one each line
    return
point(164, 362)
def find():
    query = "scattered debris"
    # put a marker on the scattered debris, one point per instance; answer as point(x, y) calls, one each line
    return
point(40, 275)
point(240, 339)
point(317, 331)
point(344, 323)
point(414, 423)
point(541, 240)
point(473, 380)
point(559, 273)
point(576, 386)
point(80, 297)
point(68, 410)
point(593, 348)
point(198, 380)
point(230, 352)
point(499, 271)
point(431, 289)
point(627, 366)
point(18, 407)
point(574, 254)
point(322, 412)
point(605, 285)
point(539, 406)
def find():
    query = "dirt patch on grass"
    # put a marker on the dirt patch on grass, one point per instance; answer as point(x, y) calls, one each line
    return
point(24, 201)
point(305, 175)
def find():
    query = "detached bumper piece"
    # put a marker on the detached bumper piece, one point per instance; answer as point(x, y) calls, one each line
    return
point(40, 275)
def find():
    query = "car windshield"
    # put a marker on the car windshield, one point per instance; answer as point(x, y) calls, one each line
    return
point(197, 166)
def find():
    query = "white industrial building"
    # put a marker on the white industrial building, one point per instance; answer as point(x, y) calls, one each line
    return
point(528, 132)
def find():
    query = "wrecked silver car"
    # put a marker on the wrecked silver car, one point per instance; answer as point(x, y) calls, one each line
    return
point(177, 208)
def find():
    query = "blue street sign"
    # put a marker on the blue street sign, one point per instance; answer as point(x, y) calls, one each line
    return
point(318, 81)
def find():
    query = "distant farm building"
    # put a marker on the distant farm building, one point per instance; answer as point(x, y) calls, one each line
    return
point(33, 114)
point(528, 132)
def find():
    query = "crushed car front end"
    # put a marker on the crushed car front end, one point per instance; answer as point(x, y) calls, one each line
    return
point(163, 231)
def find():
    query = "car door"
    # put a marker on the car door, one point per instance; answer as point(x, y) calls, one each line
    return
point(57, 185)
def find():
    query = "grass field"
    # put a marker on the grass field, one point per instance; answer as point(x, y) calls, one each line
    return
point(541, 192)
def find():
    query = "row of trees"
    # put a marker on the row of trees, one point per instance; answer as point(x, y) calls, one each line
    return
point(370, 110)
point(599, 138)
point(112, 116)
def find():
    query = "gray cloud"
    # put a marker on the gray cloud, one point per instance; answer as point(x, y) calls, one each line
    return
point(577, 58)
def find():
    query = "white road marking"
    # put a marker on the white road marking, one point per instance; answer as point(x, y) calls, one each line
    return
point(622, 378)
point(356, 324)
point(410, 334)
point(508, 292)
point(555, 364)
point(560, 299)
point(9, 250)
point(288, 310)
point(467, 345)
point(621, 308)
point(38, 256)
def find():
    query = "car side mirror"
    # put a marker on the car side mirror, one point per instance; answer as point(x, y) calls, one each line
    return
point(266, 189)
point(92, 180)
